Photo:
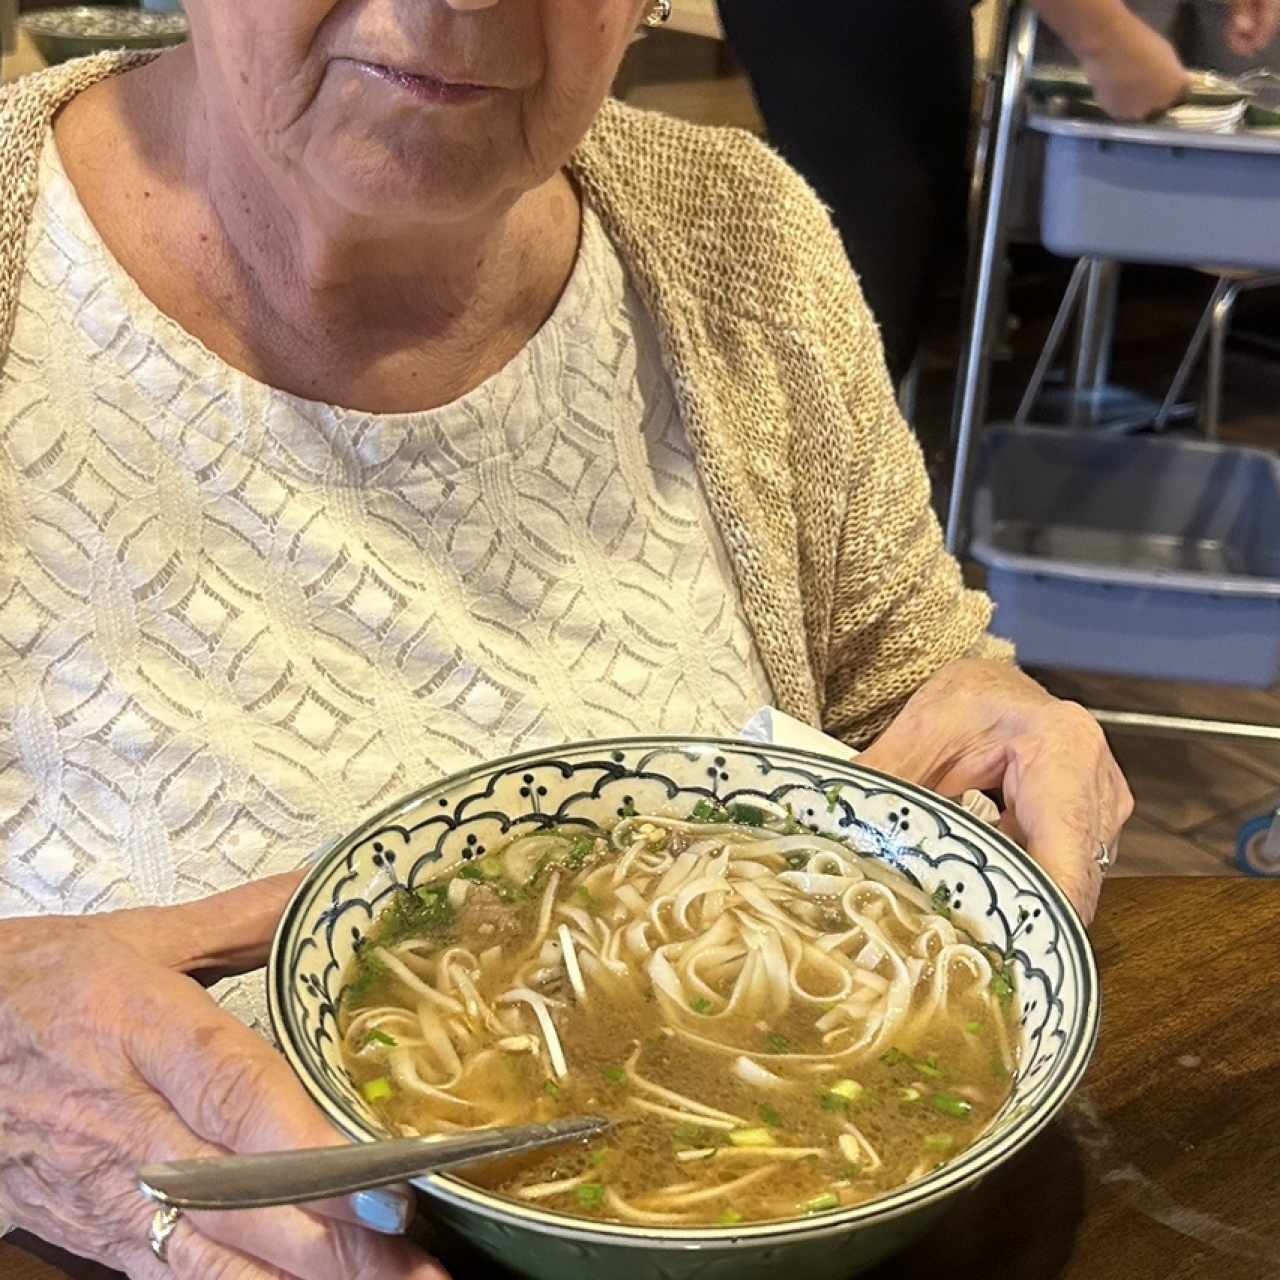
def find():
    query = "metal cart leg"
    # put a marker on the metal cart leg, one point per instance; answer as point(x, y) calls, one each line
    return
point(1219, 322)
point(1053, 344)
point(1096, 337)
point(1191, 359)
point(1019, 30)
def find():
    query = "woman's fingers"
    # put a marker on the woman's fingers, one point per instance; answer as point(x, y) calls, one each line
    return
point(225, 934)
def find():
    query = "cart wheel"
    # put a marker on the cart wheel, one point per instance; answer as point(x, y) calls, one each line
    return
point(1252, 856)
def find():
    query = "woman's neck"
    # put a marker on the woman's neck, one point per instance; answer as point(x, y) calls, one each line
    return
point(294, 292)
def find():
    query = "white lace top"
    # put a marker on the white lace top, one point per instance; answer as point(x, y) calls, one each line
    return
point(233, 622)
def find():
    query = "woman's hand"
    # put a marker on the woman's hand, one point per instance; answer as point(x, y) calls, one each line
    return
point(980, 725)
point(1135, 72)
point(112, 1057)
point(1252, 26)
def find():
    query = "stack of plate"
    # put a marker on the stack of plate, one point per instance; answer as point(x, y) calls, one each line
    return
point(1207, 119)
point(1213, 103)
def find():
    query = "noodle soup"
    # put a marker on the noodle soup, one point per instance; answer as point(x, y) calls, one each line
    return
point(776, 1024)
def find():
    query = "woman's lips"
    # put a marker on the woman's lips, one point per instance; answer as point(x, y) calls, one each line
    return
point(427, 88)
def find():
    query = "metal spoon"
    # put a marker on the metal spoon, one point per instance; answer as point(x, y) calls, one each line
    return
point(294, 1177)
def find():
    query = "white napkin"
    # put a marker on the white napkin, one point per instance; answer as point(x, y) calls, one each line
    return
point(771, 725)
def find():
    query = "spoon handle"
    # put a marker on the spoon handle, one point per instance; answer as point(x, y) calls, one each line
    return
point(294, 1177)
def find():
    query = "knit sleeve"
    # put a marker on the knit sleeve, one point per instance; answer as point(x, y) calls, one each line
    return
point(899, 608)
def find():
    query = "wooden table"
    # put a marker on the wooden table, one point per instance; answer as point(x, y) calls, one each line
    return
point(1166, 1164)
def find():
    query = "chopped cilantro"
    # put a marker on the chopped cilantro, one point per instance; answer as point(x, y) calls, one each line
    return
point(941, 900)
point(777, 1043)
point(599, 1157)
point(629, 809)
point(700, 1005)
point(792, 824)
point(371, 973)
point(833, 799)
point(615, 1075)
point(412, 914)
point(746, 815)
point(770, 1116)
point(1001, 986)
point(553, 1090)
point(973, 1028)
point(471, 872)
point(591, 1195)
point(832, 1102)
point(708, 811)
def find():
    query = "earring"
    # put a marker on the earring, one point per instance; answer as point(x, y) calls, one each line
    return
point(659, 15)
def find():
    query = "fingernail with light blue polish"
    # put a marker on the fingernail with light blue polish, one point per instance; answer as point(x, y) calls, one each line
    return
point(387, 1210)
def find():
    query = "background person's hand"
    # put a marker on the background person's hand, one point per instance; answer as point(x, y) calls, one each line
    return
point(1252, 26)
point(1135, 72)
point(112, 1057)
point(981, 725)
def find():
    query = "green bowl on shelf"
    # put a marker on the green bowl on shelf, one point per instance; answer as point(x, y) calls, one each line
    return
point(77, 31)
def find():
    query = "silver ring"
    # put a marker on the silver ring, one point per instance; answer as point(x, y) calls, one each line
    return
point(659, 14)
point(163, 1225)
point(1104, 858)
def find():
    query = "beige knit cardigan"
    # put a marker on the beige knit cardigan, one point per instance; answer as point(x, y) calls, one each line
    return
point(817, 486)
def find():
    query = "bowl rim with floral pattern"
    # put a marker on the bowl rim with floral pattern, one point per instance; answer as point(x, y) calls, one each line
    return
point(1061, 972)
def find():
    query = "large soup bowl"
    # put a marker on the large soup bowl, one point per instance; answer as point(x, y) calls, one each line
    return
point(1003, 897)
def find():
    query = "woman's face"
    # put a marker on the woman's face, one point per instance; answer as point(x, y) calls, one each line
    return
point(413, 109)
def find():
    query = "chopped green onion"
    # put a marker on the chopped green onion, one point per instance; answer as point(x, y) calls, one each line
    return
point(941, 900)
point(688, 1134)
point(939, 1142)
point(553, 1090)
point(471, 872)
point(949, 1104)
point(599, 1157)
point(894, 1058)
point(746, 815)
point(849, 1090)
point(778, 1044)
point(730, 1218)
point(973, 1028)
point(792, 826)
point(833, 1102)
point(380, 1037)
point(833, 799)
point(378, 1090)
point(752, 1138)
point(909, 1095)
point(771, 1116)
point(700, 1005)
point(1001, 986)
point(820, 1204)
point(929, 1067)
point(615, 1075)
point(591, 1195)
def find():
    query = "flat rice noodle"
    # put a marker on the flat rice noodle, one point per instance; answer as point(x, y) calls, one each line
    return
point(415, 984)
point(630, 1213)
point(405, 1074)
point(682, 1199)
point(818, 886)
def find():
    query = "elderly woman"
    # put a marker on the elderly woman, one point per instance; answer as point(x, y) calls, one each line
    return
point(374, 399)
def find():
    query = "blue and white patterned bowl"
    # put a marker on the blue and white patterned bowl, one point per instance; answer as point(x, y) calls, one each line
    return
point(1002, 896)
